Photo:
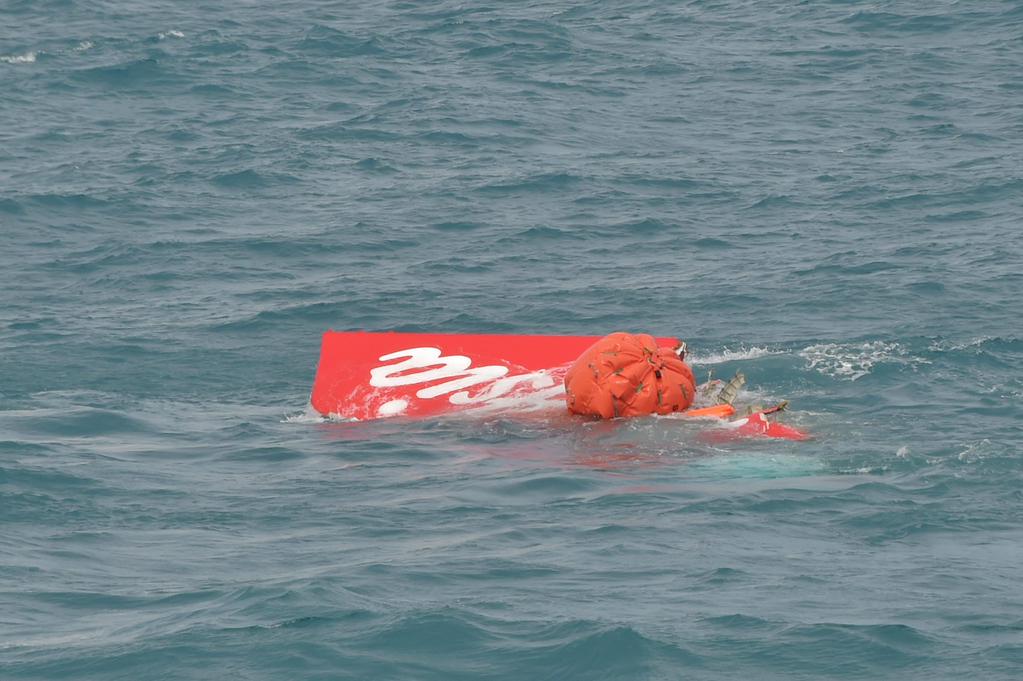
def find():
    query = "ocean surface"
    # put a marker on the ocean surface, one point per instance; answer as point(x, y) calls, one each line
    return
point(826, 196)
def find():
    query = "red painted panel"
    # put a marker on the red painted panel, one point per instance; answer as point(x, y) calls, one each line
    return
point(368, 375)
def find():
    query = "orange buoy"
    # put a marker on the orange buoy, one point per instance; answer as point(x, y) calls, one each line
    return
point(626, 374)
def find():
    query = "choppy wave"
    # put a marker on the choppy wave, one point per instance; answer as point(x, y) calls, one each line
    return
point(824, 196)
point(729, 355)
point(26, 58)
point(852, 361)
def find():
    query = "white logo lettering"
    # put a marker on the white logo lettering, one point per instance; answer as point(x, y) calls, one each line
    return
point(427, 365)
point(503, 386)
point(435, 367)
point(393, 375)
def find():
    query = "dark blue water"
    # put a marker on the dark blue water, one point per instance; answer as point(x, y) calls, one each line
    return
point(826, 196)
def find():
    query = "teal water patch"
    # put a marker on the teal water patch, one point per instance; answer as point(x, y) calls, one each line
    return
point(757, 465)
point(824, 196)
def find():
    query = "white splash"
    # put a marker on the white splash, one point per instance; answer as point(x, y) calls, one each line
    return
point(84, 45)
point(852, 361)
point(903, 452)
point(27, 58)
point(976, 451)
point(865, 470)
point(951, 346)
point(309, 415)
point(171, 34)
point(552, 397)
point(729, 355)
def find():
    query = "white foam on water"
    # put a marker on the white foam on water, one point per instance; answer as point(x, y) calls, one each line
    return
point(976, 451)
point(27, 58)
point(552, 397)
point(729, 355)
point(84, 45)
point(852, 361)
point(865, 470)
point(171, 34)
point(902, 452)
point(309, 415)
point(952, 346)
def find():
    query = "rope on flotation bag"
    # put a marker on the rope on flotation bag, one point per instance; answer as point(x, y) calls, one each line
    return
point(627, 374)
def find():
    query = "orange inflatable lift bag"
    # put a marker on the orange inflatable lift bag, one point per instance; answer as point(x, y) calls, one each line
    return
point(627, 374)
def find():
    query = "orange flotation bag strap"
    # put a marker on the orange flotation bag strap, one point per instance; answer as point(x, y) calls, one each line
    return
point(627, 374)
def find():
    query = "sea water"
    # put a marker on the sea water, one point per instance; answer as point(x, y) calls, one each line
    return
point(825, 196)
